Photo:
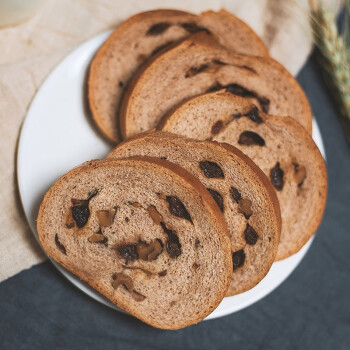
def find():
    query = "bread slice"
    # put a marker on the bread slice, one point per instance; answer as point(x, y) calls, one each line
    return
point(198, 65)
point(144, 34)
point(281, 147)
point(143, 232)
point(242, 191)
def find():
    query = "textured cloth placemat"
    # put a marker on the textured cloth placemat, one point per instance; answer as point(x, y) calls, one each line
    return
point(31, 50)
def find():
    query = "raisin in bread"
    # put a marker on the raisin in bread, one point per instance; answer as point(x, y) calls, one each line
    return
point(143, 232)
point(279, 146)
point(199, 64)
point(241, 190)
point(140, 37)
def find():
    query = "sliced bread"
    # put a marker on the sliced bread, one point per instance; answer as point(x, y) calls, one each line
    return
point(110, 223)
point(241, 190)
point(140, 37)
point(198, 65)
point(280, 146)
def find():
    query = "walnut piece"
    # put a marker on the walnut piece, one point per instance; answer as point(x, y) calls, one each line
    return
point(149, 252)
point(154, 214)
point(137, 296)
point(106, 217)
point(97, 238)
point(245, 207)
point(136, 204)
point(122, 279)
point(126, 281)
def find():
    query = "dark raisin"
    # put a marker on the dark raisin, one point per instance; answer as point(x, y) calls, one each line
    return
point(59, 245)
point(177, 208)
point(92, 194)
point(235, 194)
point(162, 273)
point(238, 259)
point(276, 177)
point(265, 104)
point(192, 28)
point(121, 84)
point(161, 47)
point(80, 214)
point(217, 127)
point(195, 266)
point(197, 243)
point(237, 115)
point(158, 28)
point(254, 116)
point(249, 138)
point(215, 87)
point(128, 252)
point(173, 245)
point(195, 70)
point(211, 169)
point(250, 235)
point(299, 174)
point(248, 68)
point(104, 241)
point(80, 209)
point(239, 90)
point(219, 62)
point(218, 198)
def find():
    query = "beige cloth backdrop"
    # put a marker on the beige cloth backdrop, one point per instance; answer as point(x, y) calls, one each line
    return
point(29, 52)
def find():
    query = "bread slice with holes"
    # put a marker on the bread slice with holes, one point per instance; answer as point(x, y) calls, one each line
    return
point(143, 232)
point(241, 190)
point(280, 146)
point(198, 65)
point(140, 37)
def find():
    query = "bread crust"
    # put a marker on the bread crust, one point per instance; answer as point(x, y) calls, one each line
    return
point(192, 184)
point(258, 42)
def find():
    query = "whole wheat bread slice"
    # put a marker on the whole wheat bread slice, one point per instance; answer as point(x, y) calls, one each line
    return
point(140, 37)
point(242, 191)
point(280, 146)
point(143, 232)
point(198, 65)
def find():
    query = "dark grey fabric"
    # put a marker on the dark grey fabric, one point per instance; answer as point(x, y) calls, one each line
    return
point(39, 309)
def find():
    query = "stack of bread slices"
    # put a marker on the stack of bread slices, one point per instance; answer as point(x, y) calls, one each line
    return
point(216, 178)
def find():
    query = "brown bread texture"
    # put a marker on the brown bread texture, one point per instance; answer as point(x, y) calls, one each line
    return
point(110, 223)
point(140, 37)
point(199, 64)
point(243, 193)
point(280, 146)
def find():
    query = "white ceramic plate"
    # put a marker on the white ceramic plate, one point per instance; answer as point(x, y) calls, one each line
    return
point(57, 135)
